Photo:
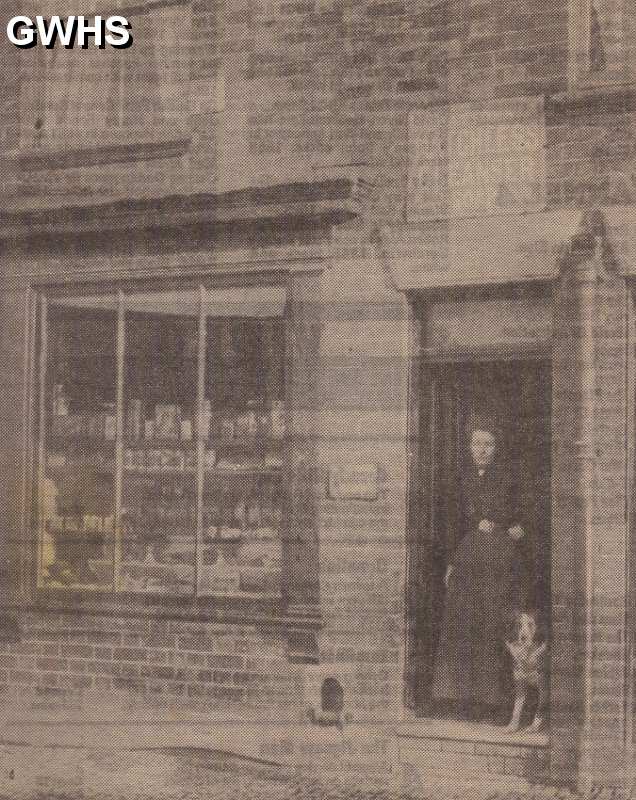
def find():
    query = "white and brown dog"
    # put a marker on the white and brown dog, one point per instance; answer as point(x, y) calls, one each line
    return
point(529, 656)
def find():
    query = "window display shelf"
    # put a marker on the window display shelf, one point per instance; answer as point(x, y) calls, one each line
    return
point(62, 576)
point(165, 443)
point(170, 422)
point(238, 471)
point(57, 442)
point(159, 566)
point(63, 470)
point(253, 443)
point(169, 472)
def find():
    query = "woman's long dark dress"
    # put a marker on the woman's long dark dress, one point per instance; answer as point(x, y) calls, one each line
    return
point(485, 585)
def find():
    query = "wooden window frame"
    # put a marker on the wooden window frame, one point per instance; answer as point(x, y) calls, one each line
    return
point(293, 600)
point(581, 75)
point(134, 144)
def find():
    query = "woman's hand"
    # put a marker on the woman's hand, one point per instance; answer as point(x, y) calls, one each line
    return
point(449, 571)
point(486, 526)
point(516, 532)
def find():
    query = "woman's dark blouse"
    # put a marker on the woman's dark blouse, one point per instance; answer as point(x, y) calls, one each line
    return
point(493, 496)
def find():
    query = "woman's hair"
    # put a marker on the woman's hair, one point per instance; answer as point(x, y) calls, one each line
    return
point(484, 424)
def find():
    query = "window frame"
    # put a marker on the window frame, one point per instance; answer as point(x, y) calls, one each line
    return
point(580, 74)
point(38, 152)
point(271, 608)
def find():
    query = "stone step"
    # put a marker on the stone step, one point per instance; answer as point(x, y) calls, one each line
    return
point(469, 757)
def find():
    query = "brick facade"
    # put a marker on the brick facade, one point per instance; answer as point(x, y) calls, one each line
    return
point(291, 95)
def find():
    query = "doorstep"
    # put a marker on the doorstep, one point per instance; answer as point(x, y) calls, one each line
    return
point(469, 751)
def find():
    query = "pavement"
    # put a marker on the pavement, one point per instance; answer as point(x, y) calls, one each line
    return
point(30, 772)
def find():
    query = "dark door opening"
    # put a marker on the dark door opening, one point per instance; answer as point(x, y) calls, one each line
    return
point(518, 395)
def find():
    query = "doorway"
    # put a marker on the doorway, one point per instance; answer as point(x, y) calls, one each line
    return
point(517, 395)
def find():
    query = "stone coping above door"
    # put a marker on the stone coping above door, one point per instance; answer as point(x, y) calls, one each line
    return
point(482, 251)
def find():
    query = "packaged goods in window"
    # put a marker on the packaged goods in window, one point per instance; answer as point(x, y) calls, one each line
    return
point(253, 513)
point(210, 532)
point(95, 426)
point(246, 425)
point(227, 429)
point(264, 425)
point(134, 420)
point(73, 426)
point(219, 579)
point(278, 419)
point(206, 417)
point(190, 461)
point(153, 459)
point(167, 421)
point(222, 414)
point(77, 538)
point(55, 460)
point(180, 550)
point(259, 566)
point(159, 517)
point(110, 427)
point(273, 460)
point(155, 578)
point(60, 401)
point(239, 515)
point(186, 430)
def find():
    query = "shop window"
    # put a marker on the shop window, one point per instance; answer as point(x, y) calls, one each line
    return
point(602, 42)
point(105, 97)
point(162, 442)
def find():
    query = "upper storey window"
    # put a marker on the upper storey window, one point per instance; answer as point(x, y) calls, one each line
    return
point(602, 42)
point(94, 97)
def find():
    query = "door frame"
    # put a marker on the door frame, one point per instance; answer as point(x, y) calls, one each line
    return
point(420, 435)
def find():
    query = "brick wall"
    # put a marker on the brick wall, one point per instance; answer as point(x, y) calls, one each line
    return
point(589, 553)
point(103, 666)
point(315, 88)
point(363, 386)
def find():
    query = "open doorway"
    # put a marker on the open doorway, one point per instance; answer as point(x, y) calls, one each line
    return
point(517, 394)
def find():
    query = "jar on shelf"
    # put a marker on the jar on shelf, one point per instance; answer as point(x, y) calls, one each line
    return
point(227, 429)
point(278, 419)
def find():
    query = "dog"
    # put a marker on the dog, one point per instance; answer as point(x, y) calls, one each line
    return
point(529, 656)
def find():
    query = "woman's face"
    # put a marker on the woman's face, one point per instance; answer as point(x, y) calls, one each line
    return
point(482, 447)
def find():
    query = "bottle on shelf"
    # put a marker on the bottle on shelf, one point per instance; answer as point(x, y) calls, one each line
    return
point(278, 419)
point(60, 401)
point(134, 419)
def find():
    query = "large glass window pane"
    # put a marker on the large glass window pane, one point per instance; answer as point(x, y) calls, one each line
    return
point(77, 445)
point(159, 484)
point(243, 427)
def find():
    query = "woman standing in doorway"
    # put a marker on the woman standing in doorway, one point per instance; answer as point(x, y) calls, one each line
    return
point(484, 581)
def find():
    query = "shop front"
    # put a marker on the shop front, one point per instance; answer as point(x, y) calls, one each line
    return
point(159, 427)
point(233, 452)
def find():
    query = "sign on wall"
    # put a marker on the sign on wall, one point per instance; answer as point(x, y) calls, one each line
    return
point(476, 158)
